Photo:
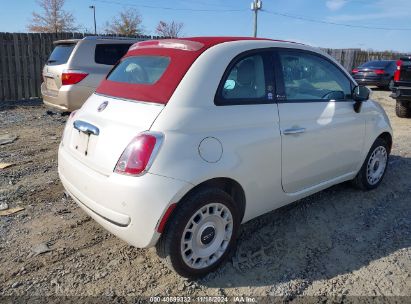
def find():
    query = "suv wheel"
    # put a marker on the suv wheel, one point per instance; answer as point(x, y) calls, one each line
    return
point(374, 167)
point(201, 233)
point(402, 109)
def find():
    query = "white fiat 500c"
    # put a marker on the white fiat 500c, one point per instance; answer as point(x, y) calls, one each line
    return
point(186, 139)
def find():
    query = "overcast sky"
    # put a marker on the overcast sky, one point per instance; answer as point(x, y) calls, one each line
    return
point(376, 24)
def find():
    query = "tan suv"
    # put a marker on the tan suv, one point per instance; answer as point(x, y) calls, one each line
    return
point(76, 67)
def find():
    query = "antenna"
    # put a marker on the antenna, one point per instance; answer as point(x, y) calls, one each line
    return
point(256, 5)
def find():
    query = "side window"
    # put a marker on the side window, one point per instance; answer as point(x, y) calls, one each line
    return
point(311, 77)
point(110, 54)
point(245, 82)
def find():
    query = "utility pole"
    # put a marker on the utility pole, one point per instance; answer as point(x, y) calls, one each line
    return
point(94, 12)
point(256, 5)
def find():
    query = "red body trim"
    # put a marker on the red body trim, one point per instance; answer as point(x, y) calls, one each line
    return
point(165, 218)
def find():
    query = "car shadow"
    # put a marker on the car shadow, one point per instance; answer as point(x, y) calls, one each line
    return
point(10, 105)
point(336, 231)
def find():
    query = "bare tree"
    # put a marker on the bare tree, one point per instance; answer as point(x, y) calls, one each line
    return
point(128, 23)
point(170, 29)
point(53, 18)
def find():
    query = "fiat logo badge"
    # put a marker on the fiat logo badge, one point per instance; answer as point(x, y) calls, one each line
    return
point(102, 106)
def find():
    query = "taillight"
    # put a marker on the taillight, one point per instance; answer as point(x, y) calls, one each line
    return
point(139, 154)
point(379, 72)
point(354, 71)
point(72, 77)
point(398, 71)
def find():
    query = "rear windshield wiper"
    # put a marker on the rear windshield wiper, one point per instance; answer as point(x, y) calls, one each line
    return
point(51, 61)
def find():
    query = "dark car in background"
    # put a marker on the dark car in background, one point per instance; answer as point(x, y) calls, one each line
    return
point(378, 73)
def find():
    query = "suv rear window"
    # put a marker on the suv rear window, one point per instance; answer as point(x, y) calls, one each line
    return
point(140, 69)
point(110, 54)
point(61, 53)
point(406, 61)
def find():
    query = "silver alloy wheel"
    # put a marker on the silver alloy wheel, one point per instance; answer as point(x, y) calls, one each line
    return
point(206, 235)
point(376, 165)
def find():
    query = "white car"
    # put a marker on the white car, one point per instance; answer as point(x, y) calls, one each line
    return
point(186, 139)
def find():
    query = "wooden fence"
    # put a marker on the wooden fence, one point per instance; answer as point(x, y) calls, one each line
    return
point(351, 58)
point(23, 55)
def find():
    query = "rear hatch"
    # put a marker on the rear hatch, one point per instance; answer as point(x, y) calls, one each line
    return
point(127, 102)
point(56, 63)
point(365, 73)
point(107, 126)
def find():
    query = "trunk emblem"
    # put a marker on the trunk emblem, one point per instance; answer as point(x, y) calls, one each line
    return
point(102, 106)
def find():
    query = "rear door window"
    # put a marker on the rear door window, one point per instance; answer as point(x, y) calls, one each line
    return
point(110, 54)
point(140, 69)
point(245, 82)
point(61, 54)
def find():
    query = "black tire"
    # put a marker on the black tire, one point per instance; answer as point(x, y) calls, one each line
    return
point(169, 246)
point(361, 181)
point(402, 109)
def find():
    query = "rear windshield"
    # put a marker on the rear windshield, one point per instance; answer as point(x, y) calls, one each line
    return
point(376, 64)
point(406, 61)
point(140, 69)
point(150, 72)
point(110, 54)
point(61, 54)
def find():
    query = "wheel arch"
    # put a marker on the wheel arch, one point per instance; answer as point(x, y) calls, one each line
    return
point(228, 185)
point(387, 137)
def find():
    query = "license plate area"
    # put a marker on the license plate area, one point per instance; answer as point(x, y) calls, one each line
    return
point(51, 84)
point(80, 142)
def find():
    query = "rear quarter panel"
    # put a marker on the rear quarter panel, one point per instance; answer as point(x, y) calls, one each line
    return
point(377, 122)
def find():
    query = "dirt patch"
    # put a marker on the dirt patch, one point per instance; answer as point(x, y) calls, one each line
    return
point(338, 242)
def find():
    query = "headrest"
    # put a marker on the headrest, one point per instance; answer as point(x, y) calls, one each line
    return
point(246, 72)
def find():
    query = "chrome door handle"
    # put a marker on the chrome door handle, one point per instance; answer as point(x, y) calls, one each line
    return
point(86, 127)
point(293, 131)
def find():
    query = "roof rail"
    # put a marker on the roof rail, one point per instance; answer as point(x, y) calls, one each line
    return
point(114, 38)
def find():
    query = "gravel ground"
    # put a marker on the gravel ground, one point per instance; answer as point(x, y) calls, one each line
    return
point(339, 242)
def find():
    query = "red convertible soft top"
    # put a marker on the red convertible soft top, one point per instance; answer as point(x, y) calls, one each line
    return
point(182, 53)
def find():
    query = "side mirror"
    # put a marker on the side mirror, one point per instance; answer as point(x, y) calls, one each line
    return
point(360, 94)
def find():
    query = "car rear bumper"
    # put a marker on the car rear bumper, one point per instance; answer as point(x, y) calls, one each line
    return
point(403, 94)
point(67, 98)
point(129, 207)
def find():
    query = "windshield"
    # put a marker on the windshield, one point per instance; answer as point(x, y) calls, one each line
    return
point(140, 69)
point(61, 54)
